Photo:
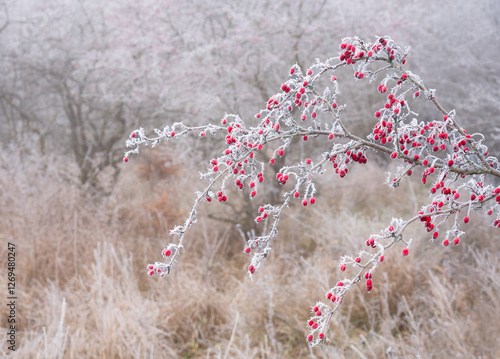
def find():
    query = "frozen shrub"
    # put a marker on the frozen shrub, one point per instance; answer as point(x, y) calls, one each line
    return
point(453, 164)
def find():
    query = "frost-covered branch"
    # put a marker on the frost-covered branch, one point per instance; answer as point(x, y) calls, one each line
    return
point(457, 163)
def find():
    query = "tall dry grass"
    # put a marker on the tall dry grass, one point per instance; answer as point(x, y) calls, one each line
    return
point(83, 292)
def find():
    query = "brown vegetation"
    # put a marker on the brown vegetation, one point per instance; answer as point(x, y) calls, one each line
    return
point(87, 254)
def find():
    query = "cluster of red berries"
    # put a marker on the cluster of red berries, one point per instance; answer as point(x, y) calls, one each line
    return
point(340, 162)
point(382, 130)
point(252, 184)
point(314, 324)
point(426, 173)
point(312, 200)
point(333, 298)
point(369, 283)
point(349, 54)
point(220, 197)
point(370, 243)
point(390, 51)
point(427, 222)
point(446, 242)
point(285, 88)
point(282, 178)
point(262, 216)
point(272, 103)
point(151, 270)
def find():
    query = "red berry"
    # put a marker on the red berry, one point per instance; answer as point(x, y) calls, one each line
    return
point(247, 250)
point(309, 337)
point(304, 202)
point(253, 193)
point(321, 336)
point(312, 200)
point(405, 252)
point(125, 159)
point(132, 134)
point(446, 243)
point(251, 269)
point(281, 152)
point(456, 241)
point(450, 163)
point(167, 252)
point(378, 114)
point(381, 259)
point(466, 219)
point(292, 71)
point(342, 267)
point(357, 260)
point(309, 72)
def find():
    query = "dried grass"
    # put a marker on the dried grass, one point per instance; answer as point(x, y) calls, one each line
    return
point(83, 292)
